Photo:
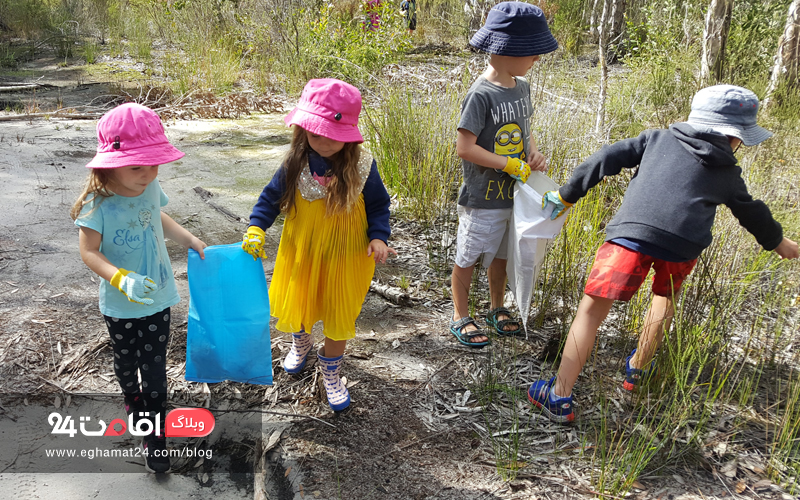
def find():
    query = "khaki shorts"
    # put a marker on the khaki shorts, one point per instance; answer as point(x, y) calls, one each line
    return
point(482, 231)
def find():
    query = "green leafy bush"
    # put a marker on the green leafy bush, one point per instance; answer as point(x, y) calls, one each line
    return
point(337, 43)
point(752, 42)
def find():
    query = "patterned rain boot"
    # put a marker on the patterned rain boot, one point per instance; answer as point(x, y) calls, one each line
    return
point(338, 396)
point(302, 343)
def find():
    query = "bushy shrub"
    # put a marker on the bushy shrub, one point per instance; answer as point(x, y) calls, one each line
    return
point(337, 42)
point(752, 42)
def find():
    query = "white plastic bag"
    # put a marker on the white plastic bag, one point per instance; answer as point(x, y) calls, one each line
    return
point(531, 229)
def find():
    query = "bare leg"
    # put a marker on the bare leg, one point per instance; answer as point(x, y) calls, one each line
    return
point(656, 322)
point(497, 282)
point(333, 348)
point(580, 341)
point(497, 287)
point(461, 280)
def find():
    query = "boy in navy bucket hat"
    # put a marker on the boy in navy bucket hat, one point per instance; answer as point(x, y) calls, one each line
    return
point(665, 220)
point(515, 29)
point(495, 144)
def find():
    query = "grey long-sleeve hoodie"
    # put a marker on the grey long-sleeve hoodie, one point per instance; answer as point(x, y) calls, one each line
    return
point(672, 199)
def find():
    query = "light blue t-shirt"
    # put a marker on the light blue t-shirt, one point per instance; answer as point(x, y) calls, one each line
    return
point(133, 239)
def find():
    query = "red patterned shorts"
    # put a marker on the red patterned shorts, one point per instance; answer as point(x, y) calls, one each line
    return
point(617, 273)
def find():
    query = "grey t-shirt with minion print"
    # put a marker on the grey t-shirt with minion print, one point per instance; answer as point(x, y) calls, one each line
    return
point(500, 118)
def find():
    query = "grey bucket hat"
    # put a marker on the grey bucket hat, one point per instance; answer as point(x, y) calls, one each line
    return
point(728, 110)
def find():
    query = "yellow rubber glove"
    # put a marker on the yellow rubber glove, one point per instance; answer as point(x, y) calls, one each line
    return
point(517, 169)
point(253, 242)
point(559, 205)
point(134, 286)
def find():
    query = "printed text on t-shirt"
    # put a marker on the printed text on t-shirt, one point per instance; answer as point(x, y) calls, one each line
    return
point(508, 111)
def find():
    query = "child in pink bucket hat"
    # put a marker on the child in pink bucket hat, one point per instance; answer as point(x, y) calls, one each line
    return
point(336, 229)
point(330, 108)
point(122, 240)
point(132, 134)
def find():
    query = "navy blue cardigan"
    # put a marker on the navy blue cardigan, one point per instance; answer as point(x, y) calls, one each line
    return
point(376, 199)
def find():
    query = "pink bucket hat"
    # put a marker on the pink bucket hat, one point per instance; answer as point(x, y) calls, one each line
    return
point(132, 135)
point(330, 108)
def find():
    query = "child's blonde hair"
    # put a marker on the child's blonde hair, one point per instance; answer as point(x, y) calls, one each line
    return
point(345, 184)
point(97, 185)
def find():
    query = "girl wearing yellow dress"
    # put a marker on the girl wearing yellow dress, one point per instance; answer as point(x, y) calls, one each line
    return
point(336, 228)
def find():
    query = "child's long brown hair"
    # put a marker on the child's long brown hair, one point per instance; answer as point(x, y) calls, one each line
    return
point(96, 184)
point(345, 184)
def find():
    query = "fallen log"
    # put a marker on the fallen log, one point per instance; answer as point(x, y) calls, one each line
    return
point(13, 87)
point(54, 114)
point(392, 294)
point(205, 195)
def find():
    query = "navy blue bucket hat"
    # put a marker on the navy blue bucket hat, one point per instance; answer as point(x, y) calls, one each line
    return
point(516, 29)
point(728, 110)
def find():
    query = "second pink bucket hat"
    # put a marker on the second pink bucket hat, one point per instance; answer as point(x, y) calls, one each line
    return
point(132, 135)
point(330, 108)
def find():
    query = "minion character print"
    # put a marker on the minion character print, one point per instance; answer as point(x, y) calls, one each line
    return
point(508, 141)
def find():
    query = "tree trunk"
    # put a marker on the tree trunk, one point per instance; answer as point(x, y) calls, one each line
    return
point(593, 28)
point(476, 11)
point(601, 101)
point(715, 36)
point(786, 59)
point(617, 21)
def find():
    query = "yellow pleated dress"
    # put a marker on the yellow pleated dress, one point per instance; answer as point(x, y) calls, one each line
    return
point(322, 271)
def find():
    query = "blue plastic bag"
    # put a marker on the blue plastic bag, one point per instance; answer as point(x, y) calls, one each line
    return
point(228, 332)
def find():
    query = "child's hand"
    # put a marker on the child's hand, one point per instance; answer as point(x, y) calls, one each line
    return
point(197, 245)
point(379, 251)
point(787, 249)
point(253, 242)
point(134, 286)
point(537, 162)
point(559, 205)
point(517, 169)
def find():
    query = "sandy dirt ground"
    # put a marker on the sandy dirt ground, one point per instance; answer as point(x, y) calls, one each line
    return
point(414, 431)
point(48, 312)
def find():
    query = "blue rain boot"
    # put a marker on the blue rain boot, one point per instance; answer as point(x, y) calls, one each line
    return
point(338, 396)
point(302, 343)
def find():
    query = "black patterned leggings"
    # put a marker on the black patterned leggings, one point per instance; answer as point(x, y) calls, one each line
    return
point(140, 346)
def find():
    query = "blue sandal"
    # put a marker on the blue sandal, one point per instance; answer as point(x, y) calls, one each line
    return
point(465, 337)
point(500, 325)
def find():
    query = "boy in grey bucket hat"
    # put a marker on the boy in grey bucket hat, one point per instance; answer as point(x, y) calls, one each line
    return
point(496, 148)
point(728, 110)
point(665, 221)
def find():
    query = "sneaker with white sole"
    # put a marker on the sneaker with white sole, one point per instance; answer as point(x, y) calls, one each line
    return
point(558, 410)
point(635, 377)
